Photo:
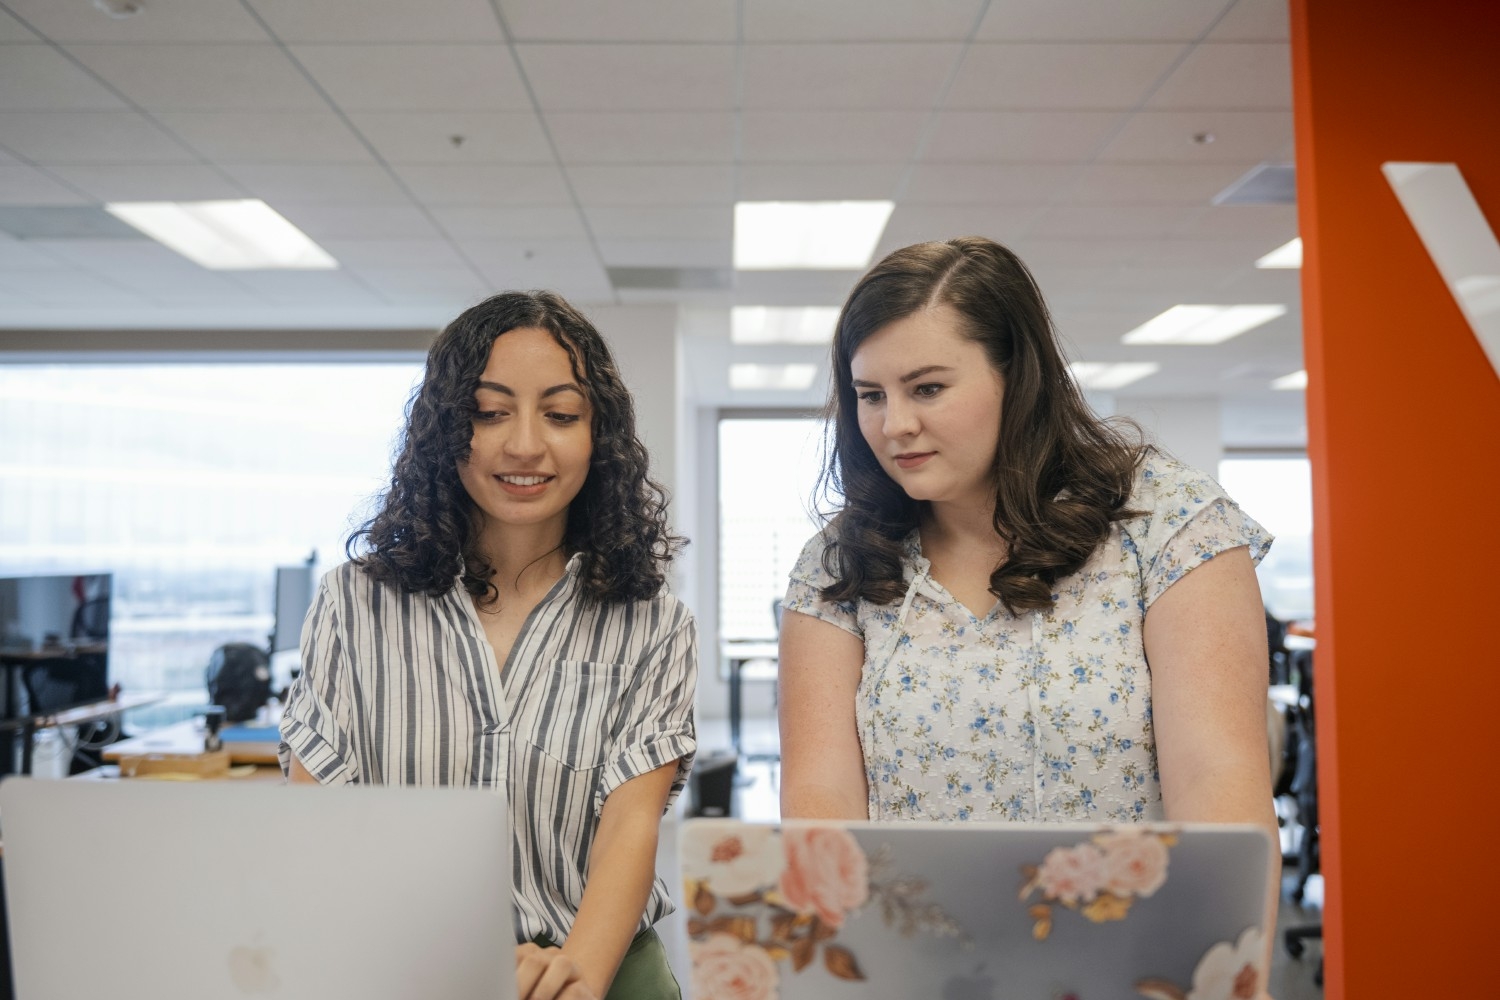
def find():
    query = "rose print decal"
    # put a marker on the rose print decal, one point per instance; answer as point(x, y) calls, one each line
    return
point(762, 897)
point(1099, 878)
point(1228, 971)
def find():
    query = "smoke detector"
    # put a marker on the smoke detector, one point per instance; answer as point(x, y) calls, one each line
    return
point(120, 9)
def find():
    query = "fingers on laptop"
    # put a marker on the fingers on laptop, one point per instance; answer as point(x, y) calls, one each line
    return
point(548, 974)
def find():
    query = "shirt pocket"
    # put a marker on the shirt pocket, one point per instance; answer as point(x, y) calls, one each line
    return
point(571, 710)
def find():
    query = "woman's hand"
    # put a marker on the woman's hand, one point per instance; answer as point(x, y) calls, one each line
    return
point(548, 974)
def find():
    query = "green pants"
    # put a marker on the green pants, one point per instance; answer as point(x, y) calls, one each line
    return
point(643, 974)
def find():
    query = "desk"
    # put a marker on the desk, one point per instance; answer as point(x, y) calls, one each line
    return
point(738, 654)
point(187, 738)
point(80, 715)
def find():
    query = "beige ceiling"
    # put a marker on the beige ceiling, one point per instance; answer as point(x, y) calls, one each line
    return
point(603, 134)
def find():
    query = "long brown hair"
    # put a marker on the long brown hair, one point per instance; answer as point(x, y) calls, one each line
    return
point(1062, 475)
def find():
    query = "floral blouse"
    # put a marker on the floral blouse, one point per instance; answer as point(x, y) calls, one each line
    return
point(1042, 716)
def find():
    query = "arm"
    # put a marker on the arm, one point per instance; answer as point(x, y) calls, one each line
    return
point(822, 765)
point(1206, 644)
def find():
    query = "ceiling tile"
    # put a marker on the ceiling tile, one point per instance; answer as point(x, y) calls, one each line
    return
point(643, 137)
point(363, 254)
point(1254, 21)
point(1019, 136)
point(323, 221)
point(839, 136)
point(416, 77)
point(453, 289)
point(1246, 137)
point(428, 136)
point(111, 255)
point(1071, 221)
point(314, 288)
point(694, 222)
point(22, 255)
point(667, 253)
point(24, 185)
point(267, 136)
point(331, 183)
point(89, 137)
point(1254, 223)
point(12, 30)
point(859, 20)
point(1077, 76)
point(612, 21)
point(819, 181)
point(653, 185)
point(484, 184)
point(40, 78)
point(577, 284)
point(202, 77)
point(922, 223)
point(587, 77)
point(531, 254)
point(154, 182)
point(1048, 20)
point(871, 76)
point(1239, 76)
point(1153, 184)
point(65, 287)
point(380, 20)
point(988, 183)
point(157, 21)
point(510, 222)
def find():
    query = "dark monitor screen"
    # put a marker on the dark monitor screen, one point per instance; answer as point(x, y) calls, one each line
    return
point(54, 642)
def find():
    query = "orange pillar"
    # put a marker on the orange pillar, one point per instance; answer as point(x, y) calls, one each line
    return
point(1404, 437)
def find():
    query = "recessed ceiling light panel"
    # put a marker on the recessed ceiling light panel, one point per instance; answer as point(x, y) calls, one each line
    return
point(1202, 325)
point(244, 235)
point(1099, 375)
point(795, 377)
point(782, 325)
point(807, 235)
point(1287, 255)
point(1296, 380)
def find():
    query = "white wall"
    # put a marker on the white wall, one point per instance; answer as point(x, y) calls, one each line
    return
point(1188, 427)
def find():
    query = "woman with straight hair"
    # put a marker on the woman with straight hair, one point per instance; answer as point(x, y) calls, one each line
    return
point(1018, 612)
point(502, 622)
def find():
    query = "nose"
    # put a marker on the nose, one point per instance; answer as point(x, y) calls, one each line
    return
point(900, 418)
point(524, 442)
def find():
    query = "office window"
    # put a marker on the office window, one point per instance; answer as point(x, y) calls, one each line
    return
point(767, 471)
point(1277, 491)
point(190, 483)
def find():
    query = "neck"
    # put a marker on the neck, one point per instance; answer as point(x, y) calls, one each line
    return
point(525, 558)
point(960, 523)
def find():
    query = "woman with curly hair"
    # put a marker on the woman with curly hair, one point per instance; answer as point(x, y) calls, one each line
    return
point(502, 622)
point(1018, 613)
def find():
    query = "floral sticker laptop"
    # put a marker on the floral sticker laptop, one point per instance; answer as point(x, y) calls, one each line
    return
point(821, 909)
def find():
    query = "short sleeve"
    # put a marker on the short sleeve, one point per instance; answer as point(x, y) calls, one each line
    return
point(1188, 519)
point(315, 724)
point(655, 724)
point(808, 578)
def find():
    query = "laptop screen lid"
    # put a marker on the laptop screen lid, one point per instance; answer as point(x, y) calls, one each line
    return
point(146, 890)
point(826, 910)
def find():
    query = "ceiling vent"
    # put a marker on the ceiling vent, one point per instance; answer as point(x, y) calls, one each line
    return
point(64, 222)
point(1266, 184)
point(675, 279)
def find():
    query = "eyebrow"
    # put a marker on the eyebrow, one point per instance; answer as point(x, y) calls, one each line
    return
point(908, 377)
point(554, 390)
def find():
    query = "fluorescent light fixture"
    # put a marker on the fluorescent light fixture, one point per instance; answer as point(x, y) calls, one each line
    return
point(1286, 255)
point(807, 235)
point(243, 235)
point(783, 377)
point(1296, 380)
point(775, 325)
point(1202, 324)
point(1098, 375)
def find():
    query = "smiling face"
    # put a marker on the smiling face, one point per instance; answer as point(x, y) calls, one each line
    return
point(533, 436)
point(929, 407)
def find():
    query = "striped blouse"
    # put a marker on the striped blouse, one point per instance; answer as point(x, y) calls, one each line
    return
point(404, 688)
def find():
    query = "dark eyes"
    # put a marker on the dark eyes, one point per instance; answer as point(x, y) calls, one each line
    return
point(926, 390)
point(561, 419)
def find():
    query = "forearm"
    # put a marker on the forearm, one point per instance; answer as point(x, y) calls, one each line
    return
point(813, 799)
point(622, 867)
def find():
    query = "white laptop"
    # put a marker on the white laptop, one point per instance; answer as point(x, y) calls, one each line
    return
point(822, 910)
point(147, 890)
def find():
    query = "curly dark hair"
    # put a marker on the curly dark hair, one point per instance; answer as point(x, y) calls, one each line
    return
point(425, 535)
point(1062, 475)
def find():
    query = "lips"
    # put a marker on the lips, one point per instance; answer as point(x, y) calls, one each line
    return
point(524, 484)
point(913, 459)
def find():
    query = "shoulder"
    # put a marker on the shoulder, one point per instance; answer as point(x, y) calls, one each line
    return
point(809, 567)
point(1166, 489)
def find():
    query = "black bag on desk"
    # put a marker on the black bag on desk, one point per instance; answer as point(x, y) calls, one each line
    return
point(239, 678)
